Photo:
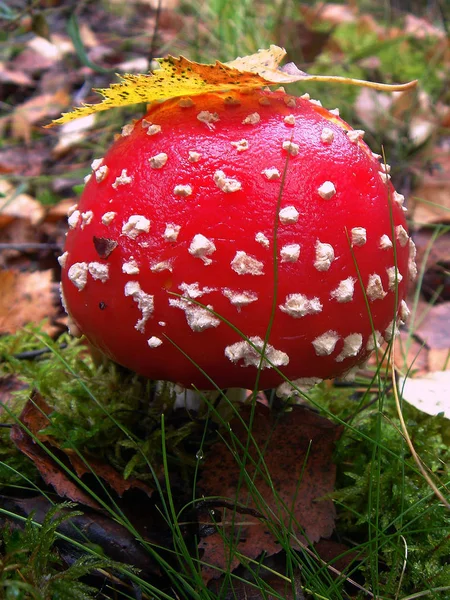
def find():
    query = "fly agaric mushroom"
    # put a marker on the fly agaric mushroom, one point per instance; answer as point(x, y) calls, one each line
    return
point(213, 217)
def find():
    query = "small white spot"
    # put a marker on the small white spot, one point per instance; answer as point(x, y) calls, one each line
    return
point(376, 156)
point(324, 256)
point(344, 291)
point(164, 265)
point(63, 259)
point(354, 135)
point(96, 163)
point(127, 129)
point(130, 267)
point(315, 102)
point(194, 156)
point(334, 111)
point(404, 311)
point(384, 176)
point(359, 236)
point(239, 299)
point(135, 225)
point(153, 129)
point(394, 277)
point(289, 120)
point(208, 118)
point(197, 318)
point(158, 161)
point(271, 173)
point(290, 253)
point(385, 167)
point(305, 96)
point(372, 344)
point(412, 267)
point(240, 145)
point(72, 209)
point(402, 235)
point(185, 103)
point(144, 301)
point(303, 384)
point(290, 101)
point(226, 184)
point(73, 219)
point(251, 353)
point(108, 218)
point(289, 214)
point(298, 305)
point(327, 135)
point(182, 190)
point(262, 239)
point(244, 264)
point(162, 323)
point(77, 274)
point(252, 119)
point(398, 198)
point(385, 242)
point(391, 331)
point(171, 232)
point(101, 173)
point(281, 89)
point(352, 345)
point(154, 342)
point(122, 179)
point(202, 247)
point(324, 344)
point(86, 218)
point(87, 178)
point(375, 289)
point(99, 271)
point(264, 101)
point(327, 190)
point(291, 147)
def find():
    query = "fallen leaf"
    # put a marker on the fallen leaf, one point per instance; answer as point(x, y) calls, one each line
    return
point(432, 197)
point(17, 206)
point(434, 326)
point(429, 393)
point(34, 420)
point(26, 298)
point(37, 108)
point(182, 77)
point(8, 385)
point(297, 452)
point(15, 76)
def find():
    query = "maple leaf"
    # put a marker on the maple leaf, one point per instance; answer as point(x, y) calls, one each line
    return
point(181, 77)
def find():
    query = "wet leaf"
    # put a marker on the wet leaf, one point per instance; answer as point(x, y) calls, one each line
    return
point(297, 452)
point(182, 77)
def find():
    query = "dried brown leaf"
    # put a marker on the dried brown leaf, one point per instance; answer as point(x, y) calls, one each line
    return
point(25, 298)
point(297, 451)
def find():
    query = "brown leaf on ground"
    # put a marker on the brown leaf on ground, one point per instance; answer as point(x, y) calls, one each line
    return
point(34, 110)
point(432, 197)
point(26, 298)
point(8, 385)
point(17, 206)
point(297, 450)
point(434, 326)
point(34, 418)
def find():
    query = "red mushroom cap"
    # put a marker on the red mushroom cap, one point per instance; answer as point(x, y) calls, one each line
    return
point(204, 210)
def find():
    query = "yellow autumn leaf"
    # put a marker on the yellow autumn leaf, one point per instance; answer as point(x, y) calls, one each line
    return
point(181, 77)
